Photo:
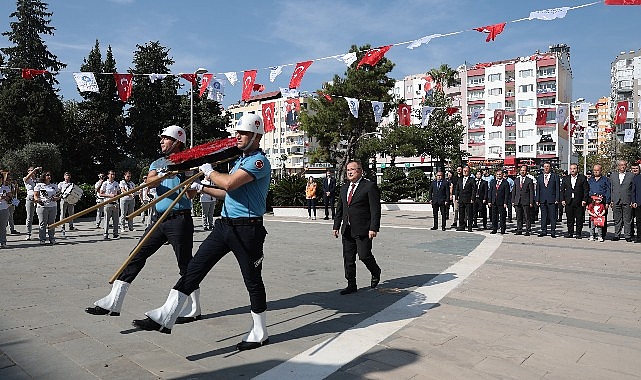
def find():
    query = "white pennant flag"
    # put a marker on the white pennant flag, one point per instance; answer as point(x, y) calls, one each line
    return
point(561, 114)
point(155, 77)
point(423, 40)
point(549, 14)
point(426, 112)
point(289, 92)
point(353, 106)
point(629, 135)
point(275, 71)
point(377, 107)
point(584, 108)
point(216, 90)
point(474, 115)
point(348, 58)
point(521, 111)
point(589, 132)
point(231, 77)
point(86, 82)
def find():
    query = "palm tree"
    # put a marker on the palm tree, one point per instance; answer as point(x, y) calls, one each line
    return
point(444, 76)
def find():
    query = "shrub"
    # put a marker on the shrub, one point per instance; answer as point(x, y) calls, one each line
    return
point(289, 191)
point(419, 184)
point(395, 185)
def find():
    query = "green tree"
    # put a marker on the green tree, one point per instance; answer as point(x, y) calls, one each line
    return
point(631, 151)
point(210, 120)
point(418, 183)
point(30, 110)
point(444, 76)
point(394, 185)
point(35, 154)
point(332, 125)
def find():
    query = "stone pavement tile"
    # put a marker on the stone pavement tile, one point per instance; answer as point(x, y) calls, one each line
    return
point(86, 350)
point(119, 368)
point(58, 333)
point(557, 370)
point(503, 368)
point(431, 336)
point(14, 373)
point(165, 364)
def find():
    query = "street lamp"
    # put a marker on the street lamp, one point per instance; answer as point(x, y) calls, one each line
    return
point(200, 70)
point(579, 100)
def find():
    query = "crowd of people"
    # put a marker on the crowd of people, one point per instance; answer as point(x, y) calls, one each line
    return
point(584, 199)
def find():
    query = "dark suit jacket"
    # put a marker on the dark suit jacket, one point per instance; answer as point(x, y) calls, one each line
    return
point(500, 196)
point(523, 195)
point(442, 195)
point(465, 194)
point(621, 192)
point(636, 189)
point(329, 185)
point(481, 192)
point(581, 189)
point(548, 194)
point(364, 212)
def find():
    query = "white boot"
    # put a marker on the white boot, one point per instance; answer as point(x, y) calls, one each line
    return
point(191, 312)
point(165, 316)
point(113, 301)
point(257, 337)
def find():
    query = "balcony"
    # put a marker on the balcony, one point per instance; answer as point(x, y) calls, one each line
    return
point(625, 86)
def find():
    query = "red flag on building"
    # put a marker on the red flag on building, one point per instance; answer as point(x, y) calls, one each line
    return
point(491, 30)
point(541, 116)
point(622, 2)
point(192, 78)
point(405, 114)
point(299, 72)
point(248, 83)
point(373, 56)
point(499, 115)
point(572, 123)
point(124, 82)
point(451, 110)
point(599, 104)
point(622, 112)
point(268, 116)
point(31, 73)
point(205, 83)
point(259, 87)
point(324, 95)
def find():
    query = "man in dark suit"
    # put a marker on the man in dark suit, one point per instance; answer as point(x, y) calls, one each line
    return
point(439, 198)
point(621, 200)
point(329, 187)
point(480, 201)
point(575, 194)
point(359, 212)
point(523, 200)
point(499, 198)
point(548, 196)
point(466, 190)
point(636, 203)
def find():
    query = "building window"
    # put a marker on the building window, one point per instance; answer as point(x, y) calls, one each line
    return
point(526, 103)
point(526, 148)
point(495, 91)
point(494, 106)
point(495, 135)
point(526, 133)
point(547, 102)
point(476, 107)
point(548, 148)
point(525, 118)
point(475, 95)
point(526, 73)
point(475, 81)
point(549, 71)
point(495, 150)
point(546, 87)
point(526, 88)
point(494, 77)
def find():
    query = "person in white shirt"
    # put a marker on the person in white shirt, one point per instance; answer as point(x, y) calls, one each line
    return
point(5, 198)
point(29, 184)
point(208, 203)
point(66, 208)
point(145, 199)
point(100, 212)
point(128, 202)
point(109, 189)
point(46, 196)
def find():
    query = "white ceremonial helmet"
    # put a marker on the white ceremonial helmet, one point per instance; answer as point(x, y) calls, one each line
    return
point(175, 132)
point(251, 123)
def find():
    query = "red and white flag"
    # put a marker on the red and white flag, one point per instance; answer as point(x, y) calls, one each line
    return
point(499, 115)
point(205, 83)
point(451, 110)
point(622, 2)
point(327, 97)
point(31, 73)
point(622, 112)
point(405, 114)
point(571, 122)
point(373, 56)
point(541, 116)
point(299, 72)
point(124, 82)
point(268, 116)
point(491, 30)
point(192, 78)
point(259, 87)
point(248, 84)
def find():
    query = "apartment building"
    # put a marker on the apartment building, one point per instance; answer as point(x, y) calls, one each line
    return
point(625, 79)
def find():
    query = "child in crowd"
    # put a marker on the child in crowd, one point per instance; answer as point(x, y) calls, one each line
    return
point(596, 210)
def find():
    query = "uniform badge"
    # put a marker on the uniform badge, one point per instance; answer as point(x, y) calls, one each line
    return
point(259, 164)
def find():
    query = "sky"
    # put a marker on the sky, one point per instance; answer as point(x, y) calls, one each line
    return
point(244, 35)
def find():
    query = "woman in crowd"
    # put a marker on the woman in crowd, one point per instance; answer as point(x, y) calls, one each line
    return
point(310, 195)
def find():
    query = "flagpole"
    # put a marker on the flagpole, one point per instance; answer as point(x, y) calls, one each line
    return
point(200, 70)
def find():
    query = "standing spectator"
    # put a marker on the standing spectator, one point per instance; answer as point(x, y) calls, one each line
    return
point(600, 185)
point(109, 189)
point(499, 195)
point(466, 190)
point(510, 181)
point(100, 212)
point(329, 190)
point(13, 202)
point(621, 199)
point(143, 194)
point(487, 177)
point(534, 209)
point(548, 196)
point(66, 209)
point(636, 204)
point(29, 184)
point(523, 200)
point(454, 194)
point(128, 202)
point(575, 194)
point(5, 198)
point(439, 198)
point(46, 196)
point(480, 201)
point(561, 205)
point(310, 195)
point(596, 211)
point(208, 203)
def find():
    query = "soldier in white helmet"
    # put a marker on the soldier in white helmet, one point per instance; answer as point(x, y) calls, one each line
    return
point(177, 229)
point(239, 230)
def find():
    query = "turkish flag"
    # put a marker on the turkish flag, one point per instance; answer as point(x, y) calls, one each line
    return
point(192, 78)
point(405, 114)
point(326, 96)
point(622, 2)
point(599, 104)
point(298, 73)
point(259, 87)
point(541, 116)
point(499, 115)
point(572, 123)
point(31, 73)
point(451, 110)
point(622, 112)
point(124, 82)
point(491, 30)
point(268, 116)
point(373, 56)
point(248, 83)
point(205, 83)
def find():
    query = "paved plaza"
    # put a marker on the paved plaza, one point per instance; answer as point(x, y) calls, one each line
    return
point(450, 305)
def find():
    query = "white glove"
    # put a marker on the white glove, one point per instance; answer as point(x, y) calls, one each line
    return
point(161, 172)
point(196, 185)
point(206, 169)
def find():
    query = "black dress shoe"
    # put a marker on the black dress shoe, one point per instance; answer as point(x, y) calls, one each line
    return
point(97, 310)
point(615, 239)
point(527, 233)
point(375, 280)
point(182, 320)
point(502, 232)
point(244, 346)
point(434, 228)
point(460, 229)
point(628, 240)
point(493, 232)
point(149, 324)
point(443, 228)
point(568, 235)
point(553, 236)
point(578, 237)
point(518, 233)
point(469, 229)
point(326, 218)
point(542, 234)
point(349, 290)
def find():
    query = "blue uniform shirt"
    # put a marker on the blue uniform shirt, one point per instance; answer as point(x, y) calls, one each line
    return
point(167, 184)
point(601, 187)
point(249, 200)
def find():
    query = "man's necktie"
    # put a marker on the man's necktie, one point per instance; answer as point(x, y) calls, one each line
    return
point(351, 192)
point(546, 179)
point(438, 184)
point(522, 180)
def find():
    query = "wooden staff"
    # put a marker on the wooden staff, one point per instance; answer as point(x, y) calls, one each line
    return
point(97, 206)
point(133, 253)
